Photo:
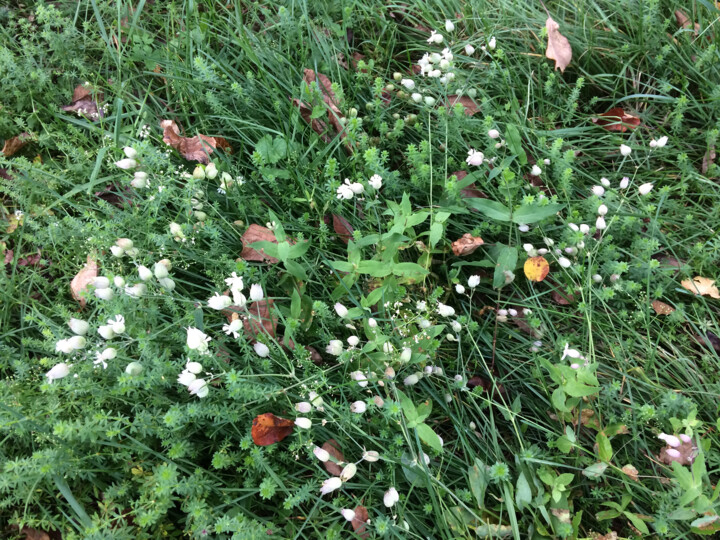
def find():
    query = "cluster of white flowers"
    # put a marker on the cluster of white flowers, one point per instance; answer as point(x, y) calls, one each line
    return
point(674, 441)
point(349, 189)
point(130, 160)
point(573, 354)
point(503, 314)
point(227, 181)
point(177, 232)
point(122, 247)
point(189, 376)
point(197, 340)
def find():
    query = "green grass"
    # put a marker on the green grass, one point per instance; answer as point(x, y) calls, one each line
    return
point(112, 455)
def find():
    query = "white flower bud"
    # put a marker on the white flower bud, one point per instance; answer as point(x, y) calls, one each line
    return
point(58, 371)
point(261, 349)
point(304, 423)
point(133, 369)
point(144, 272)
point(79, 326)
point(104, 294)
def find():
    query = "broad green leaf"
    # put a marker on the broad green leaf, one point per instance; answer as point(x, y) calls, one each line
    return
point(270, 248)
point(283, 250)
point(271, 150)
point(298, 249)
point(416, 219)
point(295, 304)
point(408, 270)
point(531, 213)
point(478, 482)
point(429, 437)
point(564, 444)
point(442, 217)
point(564, 479)
point(408, 407)
point(607, 514)
point(373, 298)
point(374, 268)
point(506, 261)
point(436, 232)
point(595, 471)
point(342, 266)
point(491, 209)
point(706, 525)
point(296, 270)
point(577, 389)
point(605, 450)
point(514, 143)
point(523, 494)
point(637, 522)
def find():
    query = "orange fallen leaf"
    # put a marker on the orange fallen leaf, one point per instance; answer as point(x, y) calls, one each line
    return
point(14, 144)
point(359, 522)
point(701, 286)
point(466, 101)
point(84, 278)
point(197, 148)
point(331, 447)
point(269, 429)
point(536, 268)
point(661, 308)
point(558, 47)
point(466, 245)
point(257, 233)
point(616, 119)
point(343, 228)
point(631, 471)
point(85, 104)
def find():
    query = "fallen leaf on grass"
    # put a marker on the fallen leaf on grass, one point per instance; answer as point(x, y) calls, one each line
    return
point(14, 144)
point(331, 447)
point(359, 522)
point(466, 245)
point(34, 534)
point(85, 104)
point(343, 228)
point(82, 279)
point(661, 308)
point(328, 96)
point(684, 21)
point(616, 119)
point(631, 471)
point(536, 268)
point(468, 104)
point(710, 339)
point(197, 148)
point(257, 233)
point(701, 286)
point(558, 47)
point(261, 319)
point(470, 191)
point(269, 429)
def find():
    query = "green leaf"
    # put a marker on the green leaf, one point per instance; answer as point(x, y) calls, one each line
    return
point(410, 270)
point(564, 444)
point(558, 400)
point(506, 261)
point(595, 471)
point(342, 266)
point(373, 298)
point(574, 388)
point(491, 209)
point(283, 250)
point(271, 150)
point(706, 525)
point(637, 522)
point(605, 450)
point(374, 268)
point(531, 213)
point(436, 232)
point(514, 143)
point(296, 270)
point(607, 514)
point(270, 248)
point(298, 249)
point(407, 407)
point(523, 494)
point(478, 482)
point(295, 304)
point(416, 219)
point(429, 437)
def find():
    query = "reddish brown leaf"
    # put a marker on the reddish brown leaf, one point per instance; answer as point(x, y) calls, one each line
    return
point(710, 340)
point(85, 104)
point(466, 245)
point(30, 260)
point(82, 279)
point(684, 21)
point(343, 228)
point(34, 534)
point(14, 144)
point(558, 47)
point(333, 448)
point(325, 87)
point(257, 233)
point(616, 119)
point(661, 308)
point(317, 126)
point(261, 319)
point(269, 429)
point(197, 148)
point(359, 522)
point(468, 104)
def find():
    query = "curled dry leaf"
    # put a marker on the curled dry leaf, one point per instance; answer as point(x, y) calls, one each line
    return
point(536, 268)
point(257, 233)
point(687, 454)
point(661, 308)
point(701, 286)
point(85, 104)
point(616, 119)
point(197, 148)
point(82, 279)
point(269, 429)
point(333, 448)
point(631, 471)
point(328, 96)
point(558, 47)
point(468, 104)
point(359, 522)
point(343, 228)
point(466, 245)
point(14, 144)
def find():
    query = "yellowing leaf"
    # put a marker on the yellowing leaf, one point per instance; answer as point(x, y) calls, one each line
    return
point(558, 47)
point(536, 268)
point(661, 308)
point(701, 286)
point(631, 471)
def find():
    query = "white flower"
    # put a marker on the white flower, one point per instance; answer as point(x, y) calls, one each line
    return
point(316, 400)
point(106, 331)
point(335, 347)
point(625, 150)
point(671, 440)
point(528, 248)
point(449, 26)
point(600, 223)
point(198, 388)
point(233, 328)
point(322, 454)
point(408, 84)
point(474, 158)
point(570, 353)
point(459, 288)
point(101, 282)
point(602, 210)
point(662, 141)
point(564, 262)
point(219, 302)
point(417, 98)
point(117, 324)
point(304, 423)
point(303, 407)
point(372, 323)
point(344, 192)
point(144, 272)
point(119, 281)
point(261, 349)
point(371, 456)
point(435, 37)
point(492, 43)
point(673, 453)
point(348, 514)
point(406, 355)
point(194, 367)
point(493, 134)
point(348, 472)
point(140, 182)
point(605, 182)
point(63, 346)
point(391, 497)
point(130, 152)
point(598, 190)
point(625, 182)
point(166, 283)
point(238, 298)
point(645, 188)
point(117, 251)
point(331, 484)
point(79, 326)
point(411, 379)
point(469, 50)
point(185, 378)
point(536, 171)
point(584, 228)
point(456, 326)
point(133, 368)
point(358, 407)
point(360, 377)
point(58, 371)
point(473, 281)
point(256, 292)
point(429, 101)
point(341, 310)
point(211, 171)
point(376, 181)
point(445, 310)
point(108, 354)
point(126, 164)
point(104, 294)
point(357, 188)
point(160, 270)
point(176, 230)
point(197, 340)
point(685, 438)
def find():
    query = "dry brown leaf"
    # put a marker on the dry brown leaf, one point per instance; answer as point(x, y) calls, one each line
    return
point(269, 429)
point(82, 279)
point(710, 339)
point(631, 471)
point(34, 534)
point(261, 319)
point(257, 233)
point(343, 228)
point(470, 191)
point(359, 522)
point(661, 308)
point(684, 21)
point(85, 104)
point(317, 126)
point(701, 286)
point(616, 119)
point(558, 47)
point(687, 454)
point(14, 144)
point(466, 245)
point(197, 148)
point(325, 87)
point(333, 448)
point(468, 104)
